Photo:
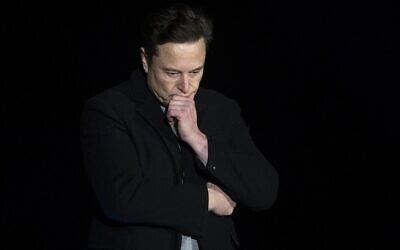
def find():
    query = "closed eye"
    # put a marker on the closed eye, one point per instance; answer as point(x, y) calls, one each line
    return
point(172, 73)
point(195, 72)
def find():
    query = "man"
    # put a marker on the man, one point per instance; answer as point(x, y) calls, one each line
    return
point(169, 161)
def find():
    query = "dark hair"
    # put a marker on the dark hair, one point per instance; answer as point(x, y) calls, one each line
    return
point(178, 23)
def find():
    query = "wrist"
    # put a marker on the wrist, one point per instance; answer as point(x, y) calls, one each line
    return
point(198, 142)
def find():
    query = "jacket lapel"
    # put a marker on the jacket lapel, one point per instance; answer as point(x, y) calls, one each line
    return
point(156, 119)
point(150, 110)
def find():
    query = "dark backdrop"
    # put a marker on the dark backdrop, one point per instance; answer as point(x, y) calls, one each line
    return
point(317, 82)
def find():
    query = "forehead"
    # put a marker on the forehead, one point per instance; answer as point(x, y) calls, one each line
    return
point(191, 54)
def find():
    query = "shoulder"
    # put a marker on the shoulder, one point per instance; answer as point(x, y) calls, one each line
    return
point(212, 99)
point(112, 97)
point(126, 94)
point(217, 113)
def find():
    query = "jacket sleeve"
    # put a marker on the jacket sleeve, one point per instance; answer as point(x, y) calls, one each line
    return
point(125, 195)
point(238, 167)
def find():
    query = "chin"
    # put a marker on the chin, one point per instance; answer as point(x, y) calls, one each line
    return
point(165, 102)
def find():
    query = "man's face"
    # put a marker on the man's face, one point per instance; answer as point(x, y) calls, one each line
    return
point(176, 70)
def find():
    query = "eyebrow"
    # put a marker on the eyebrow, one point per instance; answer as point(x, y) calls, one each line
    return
point(175, 70)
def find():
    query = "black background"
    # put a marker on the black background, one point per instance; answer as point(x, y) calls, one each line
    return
point(317, 82)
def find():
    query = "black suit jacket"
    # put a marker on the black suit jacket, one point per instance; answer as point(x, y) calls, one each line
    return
point(136, 167)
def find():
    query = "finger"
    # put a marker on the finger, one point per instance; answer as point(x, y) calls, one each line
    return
point(183, 98)
point(170, 118)
point(177, 109)
point(176, 112)
point(171, 114)
point(181, 103)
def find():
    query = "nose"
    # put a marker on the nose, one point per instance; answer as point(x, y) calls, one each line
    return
point(184, 84)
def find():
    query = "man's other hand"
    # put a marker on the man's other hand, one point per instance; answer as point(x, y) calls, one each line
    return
point(218, 202)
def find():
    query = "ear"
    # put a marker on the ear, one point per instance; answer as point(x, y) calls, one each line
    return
point(143, 57)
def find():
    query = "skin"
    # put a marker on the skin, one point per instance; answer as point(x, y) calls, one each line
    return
point(174, 77)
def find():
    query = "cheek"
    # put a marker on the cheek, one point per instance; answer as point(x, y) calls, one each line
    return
point(168, 86)
point(196, 82)
point(195, 85)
